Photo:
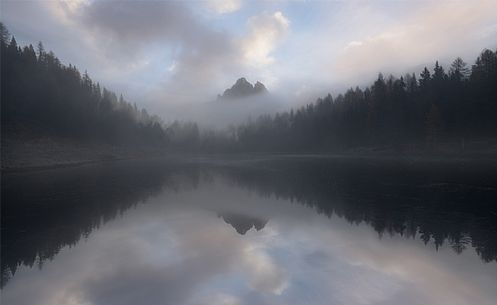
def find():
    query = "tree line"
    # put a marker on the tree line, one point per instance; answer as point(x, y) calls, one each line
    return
point(406, 112)
point(42, 96)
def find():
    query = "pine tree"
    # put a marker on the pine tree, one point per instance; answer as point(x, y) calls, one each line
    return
point(4, 34)
point(13, 46)
point(458, 70)
point(425, 78)
point(438, 73)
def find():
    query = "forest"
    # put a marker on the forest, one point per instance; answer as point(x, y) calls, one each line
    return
point(41, 96)
point(457, 105)
point(403, 113)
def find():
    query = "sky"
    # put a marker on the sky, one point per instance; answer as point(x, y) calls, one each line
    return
point(164, 53)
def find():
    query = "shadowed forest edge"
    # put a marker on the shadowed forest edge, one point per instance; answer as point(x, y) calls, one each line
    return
point(53, 106)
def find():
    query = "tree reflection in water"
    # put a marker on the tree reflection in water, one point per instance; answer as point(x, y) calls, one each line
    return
point(434, 201)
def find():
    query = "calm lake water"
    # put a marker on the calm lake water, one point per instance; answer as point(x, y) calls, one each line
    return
point(280, 230)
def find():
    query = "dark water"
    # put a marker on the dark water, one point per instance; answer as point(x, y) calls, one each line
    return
point(287, 230)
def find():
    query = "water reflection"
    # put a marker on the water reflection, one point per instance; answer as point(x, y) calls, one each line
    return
point(244, 234)
point(436, 201)
point(242, 223)
point(47, 210)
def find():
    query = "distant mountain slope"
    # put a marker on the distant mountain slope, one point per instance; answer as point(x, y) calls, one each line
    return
point(243, 88)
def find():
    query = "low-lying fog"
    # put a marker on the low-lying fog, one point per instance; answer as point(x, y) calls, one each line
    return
point(221, 113)
point(238, 104)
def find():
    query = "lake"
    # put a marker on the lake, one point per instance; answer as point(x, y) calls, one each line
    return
point(253, 230)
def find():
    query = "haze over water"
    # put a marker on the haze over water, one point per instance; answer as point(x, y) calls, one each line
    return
point(234, 152)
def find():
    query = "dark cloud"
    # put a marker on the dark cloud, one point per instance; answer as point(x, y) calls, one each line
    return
point(164, 53)
point(199, 54)
point(135, 24)
point(157, 53)
point(141, 21)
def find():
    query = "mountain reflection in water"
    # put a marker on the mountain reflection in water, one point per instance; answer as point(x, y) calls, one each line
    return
point(162, 233)
point(242, 223)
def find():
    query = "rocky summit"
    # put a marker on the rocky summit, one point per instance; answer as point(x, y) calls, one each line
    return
point(243, 88)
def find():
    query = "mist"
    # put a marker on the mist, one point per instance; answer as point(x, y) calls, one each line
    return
point(160, 54)
point(221, 114)
point(248, 152)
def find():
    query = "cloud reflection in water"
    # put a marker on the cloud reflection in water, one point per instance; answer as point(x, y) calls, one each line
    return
point(175, 249)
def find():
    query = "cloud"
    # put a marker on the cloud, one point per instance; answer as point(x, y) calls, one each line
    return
point(165, 39)
point(133, 25)
point(265, 275)
point(265, 32)
point(201, 58)
point(353, 43)
point(164, 53)
point(439, 30)
point(224, 6)
point(220, 299)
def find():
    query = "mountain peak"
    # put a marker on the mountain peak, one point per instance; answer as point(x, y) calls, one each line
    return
point(242, 80)
point(259, 87)
point(243, 88)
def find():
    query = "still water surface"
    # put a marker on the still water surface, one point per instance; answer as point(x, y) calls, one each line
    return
point(267, 231)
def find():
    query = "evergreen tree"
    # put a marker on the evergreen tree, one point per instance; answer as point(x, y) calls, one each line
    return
point(4, 34)
point(458, 70)
point(44, 97)
point(438, 73)
point(425, 78)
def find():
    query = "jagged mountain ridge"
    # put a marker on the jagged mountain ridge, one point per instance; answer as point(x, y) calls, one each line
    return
point(243, 88)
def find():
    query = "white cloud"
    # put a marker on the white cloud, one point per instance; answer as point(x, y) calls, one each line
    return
point(265, 275)
point(354, 43)
point(437, 31)
point(265, 32)
point(162, 53)
point(221, 299)
point(224, 6)
point(172, 67)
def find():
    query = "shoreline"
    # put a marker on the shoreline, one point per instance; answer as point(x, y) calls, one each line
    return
point(481, 158)
point(47, 153)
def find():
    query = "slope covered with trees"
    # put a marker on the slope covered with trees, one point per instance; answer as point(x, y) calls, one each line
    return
point(45, 97)
point(457, 106)
point(402, 113)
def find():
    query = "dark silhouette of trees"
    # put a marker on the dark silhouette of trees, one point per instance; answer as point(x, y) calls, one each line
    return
point(4, 34)
point(63, 206)
point(432, 125)
point(397, 113)
point(45, 97)
point(439, 203)
point(458, 70)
